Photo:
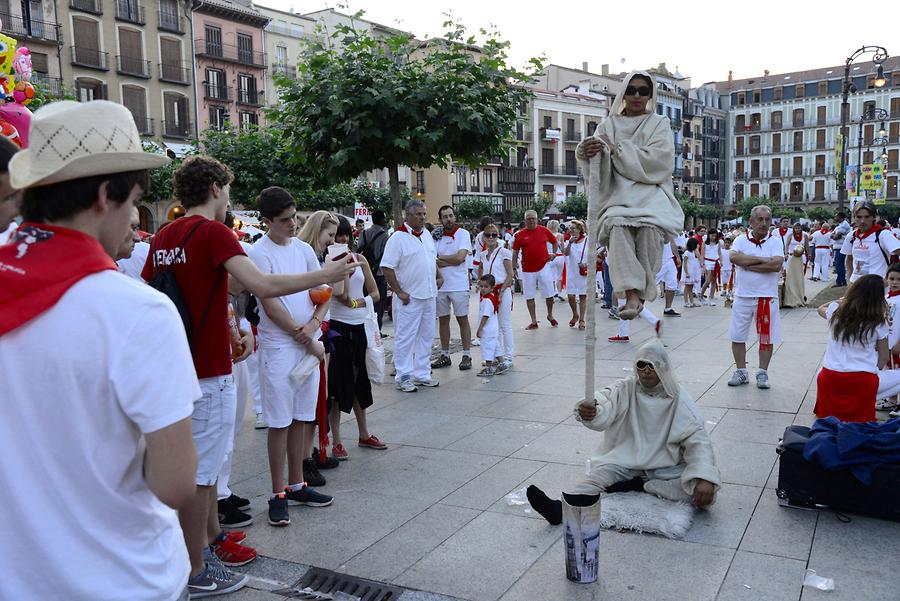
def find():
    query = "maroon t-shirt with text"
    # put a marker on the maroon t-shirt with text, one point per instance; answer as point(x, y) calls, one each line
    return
point(533, 246)
point(199, 268)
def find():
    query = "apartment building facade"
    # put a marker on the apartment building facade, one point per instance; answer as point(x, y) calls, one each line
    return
point(133, 53)
point(783, 130)
point(286, 35)
point(34, 24)
point(703, 146)
point(230, 63)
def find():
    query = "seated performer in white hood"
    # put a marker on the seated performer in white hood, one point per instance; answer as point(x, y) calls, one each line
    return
point(652, 431)
point(629, 161)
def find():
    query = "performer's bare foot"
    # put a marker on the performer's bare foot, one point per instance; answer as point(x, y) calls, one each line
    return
point(633, 306)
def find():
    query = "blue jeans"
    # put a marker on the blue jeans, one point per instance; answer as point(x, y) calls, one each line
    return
point(840, 268)
point(607, 285)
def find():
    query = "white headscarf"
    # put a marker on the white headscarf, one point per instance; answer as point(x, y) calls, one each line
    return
point(654, 353)
point(618, 105)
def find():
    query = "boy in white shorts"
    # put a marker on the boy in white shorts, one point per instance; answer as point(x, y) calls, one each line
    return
point(758, 257)
point(488, 328)
point(668, 277)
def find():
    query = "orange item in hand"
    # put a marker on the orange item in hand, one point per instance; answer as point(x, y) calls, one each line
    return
point(320, 295)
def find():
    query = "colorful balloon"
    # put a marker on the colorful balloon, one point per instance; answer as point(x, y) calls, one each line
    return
point(19, 117)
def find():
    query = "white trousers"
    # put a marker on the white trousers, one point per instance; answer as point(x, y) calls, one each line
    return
point(241, 373)
point(645, 314)
point(822, 268)
point(506, 348)
point(888, 383)
point(414, 334)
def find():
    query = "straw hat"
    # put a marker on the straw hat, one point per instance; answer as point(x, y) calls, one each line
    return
point(70, 140)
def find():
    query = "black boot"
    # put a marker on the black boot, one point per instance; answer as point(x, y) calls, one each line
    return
point(550, 509)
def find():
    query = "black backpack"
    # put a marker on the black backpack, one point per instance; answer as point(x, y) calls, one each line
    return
point(165, 281)
point(368, 251)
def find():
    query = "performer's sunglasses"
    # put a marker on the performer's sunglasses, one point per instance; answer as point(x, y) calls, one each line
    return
point(492, 235)
point(633, 91)
point(644, 365)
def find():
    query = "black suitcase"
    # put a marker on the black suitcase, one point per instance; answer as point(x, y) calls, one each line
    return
point(806, 485)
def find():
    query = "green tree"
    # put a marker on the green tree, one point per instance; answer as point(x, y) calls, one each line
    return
point(575, 206)
point(889, 211)
point(362, 103)
point(161, 177)
point(378, 199)
point(474, 208)
point(820, 213)
point(43, 95)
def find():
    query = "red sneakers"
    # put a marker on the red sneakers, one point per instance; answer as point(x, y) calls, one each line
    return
point(339, 452)
point(373, 442)
point(618, 338)
point(233, 554)
point(532, 326)
point(235, 535)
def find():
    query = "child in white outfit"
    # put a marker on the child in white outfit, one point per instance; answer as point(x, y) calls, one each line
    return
point(488, 328)
point(690, 272)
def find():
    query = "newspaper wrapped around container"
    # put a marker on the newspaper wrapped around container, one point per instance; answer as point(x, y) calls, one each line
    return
point(582, 537)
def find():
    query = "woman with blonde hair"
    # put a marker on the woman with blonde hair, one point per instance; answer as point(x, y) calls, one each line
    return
point(576, 271)
point(319, 231)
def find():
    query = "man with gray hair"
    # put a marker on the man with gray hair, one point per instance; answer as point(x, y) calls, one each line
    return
point(758, 257)
point(409, 264)
point(535, 243)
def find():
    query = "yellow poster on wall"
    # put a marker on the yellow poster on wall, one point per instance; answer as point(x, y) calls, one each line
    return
point(872, 176)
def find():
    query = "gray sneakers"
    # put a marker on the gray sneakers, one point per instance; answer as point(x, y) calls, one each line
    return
point(405, 384)
point(738, 378)
point(215, 579)
point(762, 380)
point(429, 383)
point(503, 367)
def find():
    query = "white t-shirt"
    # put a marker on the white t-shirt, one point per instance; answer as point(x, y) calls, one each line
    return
point(681, 240)
point(413, 260)
point(757, 285)
point(578, 254)
point(821, 240)
point(711, 253)
point(868, 258)
point(73, 450)
point(133, 265)
point(456, 277)
point(293, 258)
point(726, 259)
point(495, 263)
point(843, 228)
point(6, 234)
point(486, 308)
point(855, 356)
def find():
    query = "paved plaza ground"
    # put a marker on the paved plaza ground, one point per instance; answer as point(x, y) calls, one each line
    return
point(429, 514)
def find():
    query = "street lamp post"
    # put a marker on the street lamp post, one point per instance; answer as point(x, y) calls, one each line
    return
point(880, 55)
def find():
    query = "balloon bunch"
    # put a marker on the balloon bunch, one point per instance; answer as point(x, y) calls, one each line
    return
point(16, 90)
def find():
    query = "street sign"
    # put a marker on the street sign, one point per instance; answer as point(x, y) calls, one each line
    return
point(361, 212)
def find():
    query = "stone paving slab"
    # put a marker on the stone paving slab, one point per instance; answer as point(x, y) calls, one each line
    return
point(430, 513)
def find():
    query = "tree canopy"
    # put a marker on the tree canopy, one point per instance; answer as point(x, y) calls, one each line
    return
point(361, 103)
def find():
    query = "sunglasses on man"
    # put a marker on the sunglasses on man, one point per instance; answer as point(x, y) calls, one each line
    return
point(637, 91)
point(644, 365)
point(492, 235)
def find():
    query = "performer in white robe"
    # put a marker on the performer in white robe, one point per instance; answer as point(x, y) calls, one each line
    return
point(629, 161)
point(652, 431)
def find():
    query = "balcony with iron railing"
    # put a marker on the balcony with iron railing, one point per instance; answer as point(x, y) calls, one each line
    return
point(130, 11)
point(250, 97)
point(573, 136)
point(170, 22)
point(217, 92)
point(181, 129)
point(135, 67)
point(90, 58)
point(17, 27)
point(145, 126)
point(175, 72)
point(288, 71)
point(51, 85)
point(89, 6)
point(230, 53)
point(560, 170)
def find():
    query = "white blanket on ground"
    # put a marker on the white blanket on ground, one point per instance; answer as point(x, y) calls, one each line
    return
point(642, 512)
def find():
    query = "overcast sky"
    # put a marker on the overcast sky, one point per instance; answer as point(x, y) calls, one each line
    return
point(703, 39)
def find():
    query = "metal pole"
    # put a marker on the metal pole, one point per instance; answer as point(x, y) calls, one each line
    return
point(845, 111)
point(859, 142)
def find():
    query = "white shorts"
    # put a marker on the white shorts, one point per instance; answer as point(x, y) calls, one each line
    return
point(726, 276)
point(282, 400)
point(542, 279)
point(212, 425)
point(743, 317)
point(668, 275)
point(459, 300)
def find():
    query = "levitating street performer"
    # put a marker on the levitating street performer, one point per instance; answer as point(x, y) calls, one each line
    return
point(629, 161)
point(652, 431)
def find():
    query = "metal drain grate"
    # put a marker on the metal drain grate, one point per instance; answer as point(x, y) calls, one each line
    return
point(321, 585)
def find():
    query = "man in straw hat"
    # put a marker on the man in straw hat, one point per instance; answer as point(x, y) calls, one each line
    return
point(97, 451)
point(652, 432)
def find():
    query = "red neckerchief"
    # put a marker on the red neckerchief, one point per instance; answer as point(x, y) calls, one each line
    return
point(892, 294)
point(403, 228)
point(755, 241)
point(38, 265)
point(798, 237)
point(495, 300)
point(858, 235)
point(823, 231)
point(450, 233)
point(782, 231)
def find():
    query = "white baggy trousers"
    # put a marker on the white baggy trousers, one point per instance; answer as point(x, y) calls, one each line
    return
point(413, 336)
